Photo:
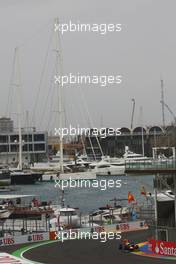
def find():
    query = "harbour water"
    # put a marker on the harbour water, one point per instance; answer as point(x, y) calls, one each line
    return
point(88, 199)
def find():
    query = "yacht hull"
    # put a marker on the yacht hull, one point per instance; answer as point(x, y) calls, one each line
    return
point(20, 178)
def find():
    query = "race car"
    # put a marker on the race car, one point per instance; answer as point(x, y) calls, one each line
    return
point(128, 246)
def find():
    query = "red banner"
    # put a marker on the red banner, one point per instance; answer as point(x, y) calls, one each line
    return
point(163, 248)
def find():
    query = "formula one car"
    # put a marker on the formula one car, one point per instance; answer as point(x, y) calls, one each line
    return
point(128, 246)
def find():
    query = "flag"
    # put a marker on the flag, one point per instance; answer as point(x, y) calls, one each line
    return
point(130, 197)
point(143, 191)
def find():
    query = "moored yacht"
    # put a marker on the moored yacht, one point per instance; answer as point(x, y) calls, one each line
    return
point(164, 196)
point(108, 214)
point(131, 157)
point(24, 177)
point(104, 168)
point(4, 174)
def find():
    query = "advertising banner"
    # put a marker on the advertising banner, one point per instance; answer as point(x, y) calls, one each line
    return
point(132, 226)
point(22, 239)
point(163, 248)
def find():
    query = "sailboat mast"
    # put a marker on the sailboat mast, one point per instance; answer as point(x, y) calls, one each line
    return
point(20, 166)
point(17, 83)
point(60, 101)
point(162, 102)
point(142, 131)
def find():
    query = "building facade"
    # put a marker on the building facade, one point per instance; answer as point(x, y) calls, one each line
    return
point(115, 145)
point(34, 146)
point(6, 125)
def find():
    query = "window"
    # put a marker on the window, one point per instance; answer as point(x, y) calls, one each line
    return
point(4, 139)
point(27, 138)
point(103, 166)
point(14, 138)
point(4, 148)
point(39, 147)
point(39, 137)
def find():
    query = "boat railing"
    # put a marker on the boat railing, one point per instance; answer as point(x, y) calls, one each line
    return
point(21, 208)
point(151, 164)
point(24, 226)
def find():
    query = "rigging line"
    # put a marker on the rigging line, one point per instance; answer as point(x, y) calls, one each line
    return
point(60, 54)
point(41, 77)
point(35, 34)
point(10, 99)
point(7, 111)
point(65, 118)
point(91, 145)
point(41, 88)
point(90, 142)
point(45, 104)
point(83, 143)
point(90, 119)
point(50, 119)
point(21, 89)
point(76, 119)
point(53, 121)
point(55, 70)
point(52, 90)
point(10, 89)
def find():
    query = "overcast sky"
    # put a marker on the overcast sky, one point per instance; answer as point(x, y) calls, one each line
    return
point(144, 51)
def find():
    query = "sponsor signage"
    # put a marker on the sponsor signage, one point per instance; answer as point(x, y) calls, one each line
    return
point(163, 248)
point(122, 227)
point(131, 226)
point(36, 237)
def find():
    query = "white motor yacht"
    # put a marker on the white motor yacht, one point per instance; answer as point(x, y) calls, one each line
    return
point(104, 215)
point(104, 168)
point(130, 157)
point(4, 212)
point(163, 196)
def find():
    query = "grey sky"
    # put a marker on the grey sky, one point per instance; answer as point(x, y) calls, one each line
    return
point(142, 52)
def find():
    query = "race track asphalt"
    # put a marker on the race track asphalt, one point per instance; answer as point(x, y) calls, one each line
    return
point(91, 251)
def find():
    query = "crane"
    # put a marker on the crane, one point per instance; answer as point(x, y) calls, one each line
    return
point(170, 111)
point(132, 116)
